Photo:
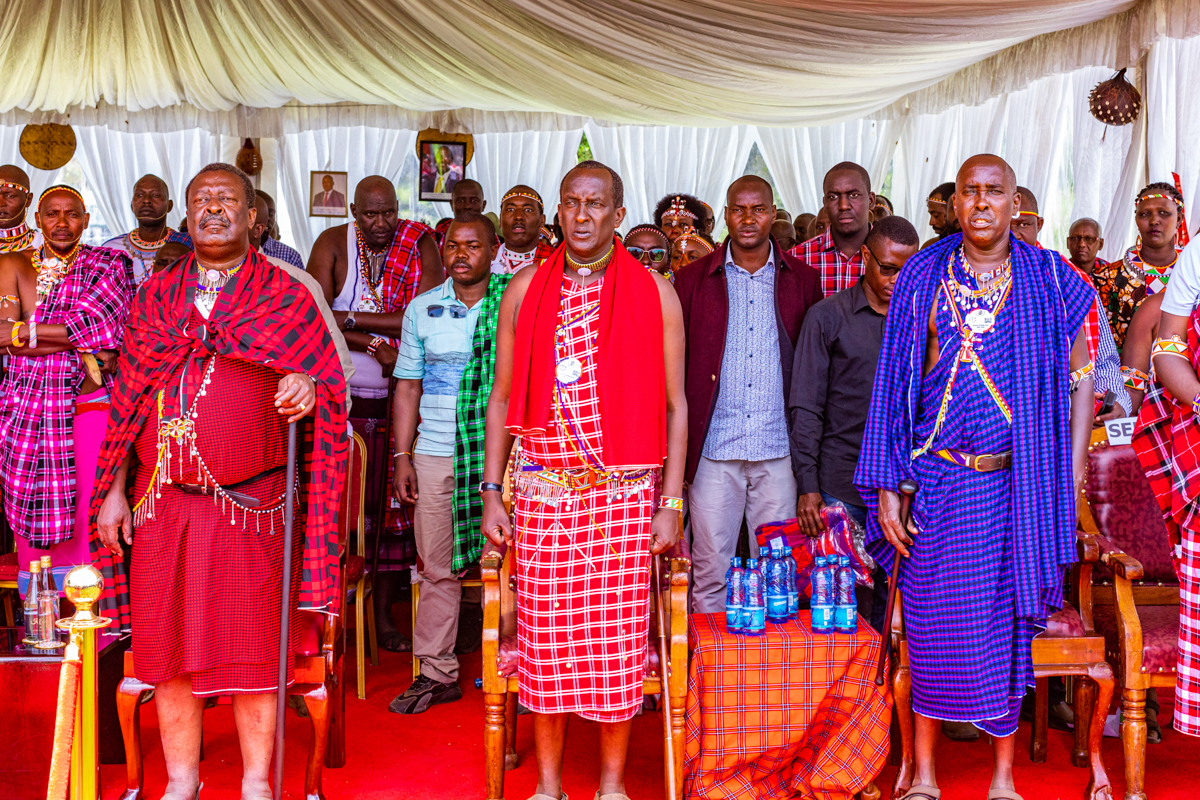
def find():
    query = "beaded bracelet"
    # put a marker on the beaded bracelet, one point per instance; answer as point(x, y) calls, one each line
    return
point(673, 503)
point(405, 453)
point(1170, 347)
point(1196, 404)
point(1135, 379)
point(16, 335)
point(1078, 375)
point(373, 345)
point(33, 334)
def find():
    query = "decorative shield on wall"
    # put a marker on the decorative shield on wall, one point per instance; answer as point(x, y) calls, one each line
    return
point(47, 146)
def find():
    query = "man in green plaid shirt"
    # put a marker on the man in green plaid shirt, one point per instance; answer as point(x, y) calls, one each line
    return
point(444, 369)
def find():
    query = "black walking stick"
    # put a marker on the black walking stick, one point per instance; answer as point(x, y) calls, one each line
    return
point(386, 495)
point(908, 488)
point(285, 607)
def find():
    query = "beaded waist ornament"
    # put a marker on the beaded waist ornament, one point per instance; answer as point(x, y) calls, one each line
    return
point(180, 432)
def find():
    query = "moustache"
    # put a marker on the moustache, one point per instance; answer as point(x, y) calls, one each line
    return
point(210, 216)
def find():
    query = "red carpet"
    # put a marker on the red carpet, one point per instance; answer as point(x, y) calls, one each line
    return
point(439, 755)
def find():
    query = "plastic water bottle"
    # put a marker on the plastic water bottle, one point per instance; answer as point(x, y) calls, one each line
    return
point(735, 595)
point(48, 602)
point(793, 587)
point(777, 585)
point(822, 596)
point(754, 612)
point(29, 609)
point(846, 609)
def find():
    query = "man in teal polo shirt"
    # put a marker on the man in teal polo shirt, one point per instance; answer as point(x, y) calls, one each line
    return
point(436, 345)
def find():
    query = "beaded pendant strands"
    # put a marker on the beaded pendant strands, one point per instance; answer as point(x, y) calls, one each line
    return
point(209, 283)
point(51, 269)
point(978, 307)
point(370, 267)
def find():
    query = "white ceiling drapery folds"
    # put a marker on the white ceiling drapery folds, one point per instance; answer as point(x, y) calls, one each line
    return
point(537, 159)
point(487, 66)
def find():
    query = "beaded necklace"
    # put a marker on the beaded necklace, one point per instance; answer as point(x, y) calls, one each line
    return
point(209, 283)
point(370, 264)
point(595, 266)
point(1155, 277)
point(182, 431)
point(142, 244)
point(52, 269)
point(16, 239)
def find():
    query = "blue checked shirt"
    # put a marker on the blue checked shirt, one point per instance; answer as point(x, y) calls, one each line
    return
point(749, 422)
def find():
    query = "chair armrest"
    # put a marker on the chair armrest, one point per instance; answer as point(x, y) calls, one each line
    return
point(492, 561)
point(1121, 563)
point(680, 550)
point(1087, 546)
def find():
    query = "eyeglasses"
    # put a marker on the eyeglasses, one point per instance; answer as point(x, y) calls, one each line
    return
point(882, 265)
point(657, 254)
point(457, 312)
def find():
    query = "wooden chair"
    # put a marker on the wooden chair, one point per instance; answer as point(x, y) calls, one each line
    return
point(1136, 596)
point(500, 692)
point(1070, 645)
point(465, 582)
point(319, 662)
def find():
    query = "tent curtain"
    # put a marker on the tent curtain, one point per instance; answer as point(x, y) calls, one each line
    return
point(40, 180)
point(709, 62)
point(798, 158)
point(1174, 119)
point(653, 161)
point(537, 159)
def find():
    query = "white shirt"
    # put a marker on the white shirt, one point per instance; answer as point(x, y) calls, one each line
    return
point(1183, 291)
point(507, 262)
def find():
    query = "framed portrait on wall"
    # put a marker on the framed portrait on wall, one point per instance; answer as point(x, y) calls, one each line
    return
point(327, 191)
point(442, 166)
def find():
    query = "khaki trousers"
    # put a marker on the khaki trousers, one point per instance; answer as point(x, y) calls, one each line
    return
point(436, 627)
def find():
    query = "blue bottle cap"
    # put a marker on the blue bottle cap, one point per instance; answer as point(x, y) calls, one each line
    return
point(821, 561)
point(763, 552)
point(737, 561)
point(845, 561)
point(751, 563)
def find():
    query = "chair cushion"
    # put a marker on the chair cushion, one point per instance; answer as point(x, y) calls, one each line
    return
point(312, 625)
point(354, 569)
point(8, 567)
point(1160, 635)
point(1127, 513)
point(1064, 624)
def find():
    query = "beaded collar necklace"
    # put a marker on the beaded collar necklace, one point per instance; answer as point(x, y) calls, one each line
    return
point(17, 238)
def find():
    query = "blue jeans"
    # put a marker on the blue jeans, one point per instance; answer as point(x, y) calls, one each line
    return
point(872, 603)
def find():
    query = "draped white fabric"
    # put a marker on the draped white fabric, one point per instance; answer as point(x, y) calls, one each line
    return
point(537, 159)
point(10, 153)
point(799, 157)
point(653, 161)
point(1174, 118)
point(113, 161)
point(359, 152)
point(524, 63)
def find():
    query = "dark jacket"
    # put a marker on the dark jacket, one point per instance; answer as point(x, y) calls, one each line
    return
point(705, 300)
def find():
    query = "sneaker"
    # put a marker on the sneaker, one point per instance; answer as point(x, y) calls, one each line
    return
point(423, 693)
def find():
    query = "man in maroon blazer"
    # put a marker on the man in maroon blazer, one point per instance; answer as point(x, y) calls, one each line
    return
point(742, 309)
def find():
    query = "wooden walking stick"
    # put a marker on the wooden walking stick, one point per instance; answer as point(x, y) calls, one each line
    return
point(285, 607)
point(386, 495)
point(908, 488)
point(663, 667)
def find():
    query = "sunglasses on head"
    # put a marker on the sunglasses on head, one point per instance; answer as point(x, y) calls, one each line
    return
point(657, 254)
point(457, 312)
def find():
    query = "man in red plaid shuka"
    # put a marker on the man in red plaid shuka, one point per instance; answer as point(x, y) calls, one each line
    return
point(223, 351)
point(594, 497)
point(370, 270)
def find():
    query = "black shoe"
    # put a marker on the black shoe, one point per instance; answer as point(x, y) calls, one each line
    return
point(470, 629)
point(423, 693)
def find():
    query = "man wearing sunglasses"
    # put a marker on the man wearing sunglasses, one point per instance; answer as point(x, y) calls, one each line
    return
point(743, 305)
point(832, 378)
point(437, 342)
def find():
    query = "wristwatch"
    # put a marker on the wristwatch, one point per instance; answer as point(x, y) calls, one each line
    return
point(348, 325)
point(490, 487)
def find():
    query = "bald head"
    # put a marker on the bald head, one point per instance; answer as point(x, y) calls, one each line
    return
point(985, 202)
point(759, 187)
point(14, 174)
point(376, 211)
point(987, 160)
point(1028, 201)
point(151, 203)
point(262, 213)
point(374, 187)
point(467, 195)
point(1084, 242)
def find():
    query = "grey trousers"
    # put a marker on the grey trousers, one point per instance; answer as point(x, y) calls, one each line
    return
point(721, 494)
point(436, 626)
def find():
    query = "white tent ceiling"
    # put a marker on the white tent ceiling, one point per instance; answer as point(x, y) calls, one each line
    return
point(249, 67)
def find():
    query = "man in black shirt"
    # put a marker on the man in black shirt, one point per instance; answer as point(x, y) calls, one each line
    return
point(832, 377)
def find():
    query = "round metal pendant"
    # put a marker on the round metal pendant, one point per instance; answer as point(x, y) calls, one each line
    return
point(212, 275)
point(568, 370)
point(980, 320)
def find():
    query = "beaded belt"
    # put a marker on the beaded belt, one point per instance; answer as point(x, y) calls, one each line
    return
point(981, 463)
point(585, 477)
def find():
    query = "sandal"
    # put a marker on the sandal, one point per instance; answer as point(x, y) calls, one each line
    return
point(1003, 794)
point(395, 642)
point(611, 796)
point(922, 792)
point(541, 796)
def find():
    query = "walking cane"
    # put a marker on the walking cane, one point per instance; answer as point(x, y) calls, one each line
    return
point(386, 495)
point(908, 488)
point(285, 607)
point(663, 665)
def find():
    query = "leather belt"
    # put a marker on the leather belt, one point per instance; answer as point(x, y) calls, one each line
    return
point(230, 491)
point(980, 463)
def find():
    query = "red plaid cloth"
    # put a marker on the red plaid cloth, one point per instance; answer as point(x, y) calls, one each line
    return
point(837, 271)
point(582, 556)
point(1091, 323)
point(783, 715)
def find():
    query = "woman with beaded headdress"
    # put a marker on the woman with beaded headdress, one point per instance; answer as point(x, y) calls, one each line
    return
point(688, 248)
point(1146, 267)
point(678, 214)
point(61, 302)
point(649, 244)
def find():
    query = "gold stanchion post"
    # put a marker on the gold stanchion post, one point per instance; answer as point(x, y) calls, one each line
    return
point(82, 587)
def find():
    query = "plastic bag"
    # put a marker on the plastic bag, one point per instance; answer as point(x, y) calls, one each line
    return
point(843, 536)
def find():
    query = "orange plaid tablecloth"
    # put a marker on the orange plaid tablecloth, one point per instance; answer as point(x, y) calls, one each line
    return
point(786, 714)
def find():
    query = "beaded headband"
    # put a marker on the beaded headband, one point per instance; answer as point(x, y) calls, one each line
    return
point(11, 185)
point(678, 209)
point(936, 202)
point(1157, 195)
point(689, 238)
point(61, 188)
point(657, 231)
point(1181, 234)
point(530, 195)
point(1030, 213)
